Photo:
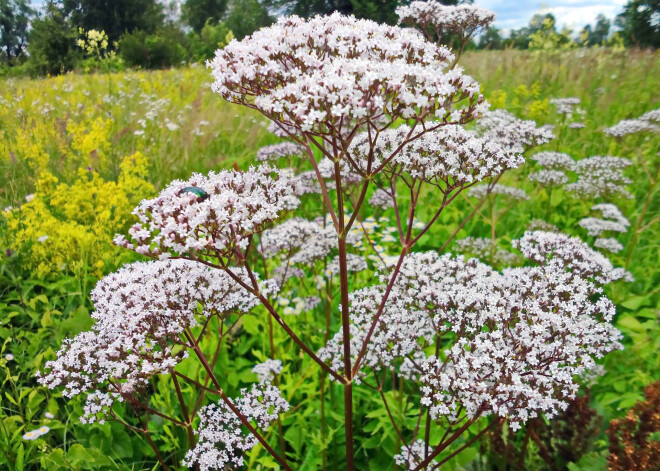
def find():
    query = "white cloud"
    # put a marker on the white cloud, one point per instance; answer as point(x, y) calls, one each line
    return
point(572, 13)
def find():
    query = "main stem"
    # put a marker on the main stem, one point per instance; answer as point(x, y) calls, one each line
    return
point(345, 322)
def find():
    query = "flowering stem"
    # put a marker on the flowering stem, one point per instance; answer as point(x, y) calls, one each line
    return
point(273, 312)
point(469, 216)
point(389, 412)
point(469, 443)
point(238, 414)
point(184, 409)
point(443, 445)
point(345, 320)
point(297, 340)
point(365, 344)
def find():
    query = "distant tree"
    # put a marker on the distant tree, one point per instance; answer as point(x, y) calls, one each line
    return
point(518, 38)
point(601, 30)
point(247, 16)
point(382, 11)
point(586, 35)
point(640, 23)
point(14, 20)
point(202, 46)
point(546, 36)
point(52, 43)
point(115, 17)
point(165, 48)
point(491, 39)
point(197, 13)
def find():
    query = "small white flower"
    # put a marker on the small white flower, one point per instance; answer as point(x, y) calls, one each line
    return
point(9, 357)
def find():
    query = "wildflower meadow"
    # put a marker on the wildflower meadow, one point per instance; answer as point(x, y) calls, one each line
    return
point(337, 245)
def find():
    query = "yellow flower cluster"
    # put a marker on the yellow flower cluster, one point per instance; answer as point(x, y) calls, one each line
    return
point(93, 42)
point(64, 140)
point(70, 227)
point(523, 100)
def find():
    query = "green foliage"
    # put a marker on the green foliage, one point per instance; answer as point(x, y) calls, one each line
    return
point(546, 36)
point(200, 13)
point(598, 35)
point(639, 23)
point(247, 16)
point(52, 45)
point(115, 17)
point(153, 51)
point(211, 38)
point(14, 20)
point(491, 39)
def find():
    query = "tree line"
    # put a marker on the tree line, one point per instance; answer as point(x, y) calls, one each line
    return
point(153, 34)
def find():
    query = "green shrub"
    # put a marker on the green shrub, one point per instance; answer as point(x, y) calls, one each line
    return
point(153, 51)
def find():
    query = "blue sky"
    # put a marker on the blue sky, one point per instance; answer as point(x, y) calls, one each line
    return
point(573, 13)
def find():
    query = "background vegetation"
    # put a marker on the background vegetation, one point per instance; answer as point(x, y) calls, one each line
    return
point(40, 40)
point(79, 150)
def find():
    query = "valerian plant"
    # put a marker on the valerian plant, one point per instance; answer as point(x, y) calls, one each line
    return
point(370, 113)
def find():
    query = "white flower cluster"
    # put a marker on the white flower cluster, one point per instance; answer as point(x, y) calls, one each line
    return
point(449, 153)
point(398, 334)
point(288, 236)
point(277, 129)
point(210, 215)
point(600, 176)
point(382, 199)
point(632, 126)
point(562, 251)
point(266, 370)
point(565, 105)
point(554, 160)
point(511, 133)
point(541, 225)
point(465, 20)
point(354, 263)
point(653, 115)
point(412, 455)
point(614, 220)
point(327, 170)
point(549, 177)
point(221, 441)
point(280, 150)
point(141, 312)
point(609, 244)
point(484, 248)
point(515, 339)
point(481, 191)
point(323, 72)
point(294, 306)
point(303, 242)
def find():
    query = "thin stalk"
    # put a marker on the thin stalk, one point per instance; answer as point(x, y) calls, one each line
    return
point(184, 409)
point(238, 414)
point(469, 443)
point(442, 446)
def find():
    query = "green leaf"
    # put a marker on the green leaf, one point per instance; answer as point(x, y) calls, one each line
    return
point(20, 458)
point(629, 322)
point(635, 302)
